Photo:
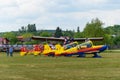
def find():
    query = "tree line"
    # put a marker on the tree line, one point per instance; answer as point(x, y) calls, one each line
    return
point(94, 28)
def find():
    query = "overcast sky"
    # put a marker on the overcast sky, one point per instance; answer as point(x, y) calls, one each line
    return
point(48, 14)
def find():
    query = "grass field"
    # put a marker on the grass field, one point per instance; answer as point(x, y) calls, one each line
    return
point(60, 68)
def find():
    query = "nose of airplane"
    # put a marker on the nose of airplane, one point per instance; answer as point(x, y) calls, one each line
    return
point(104, 47)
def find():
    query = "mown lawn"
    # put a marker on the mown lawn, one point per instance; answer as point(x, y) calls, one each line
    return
point(60, 68)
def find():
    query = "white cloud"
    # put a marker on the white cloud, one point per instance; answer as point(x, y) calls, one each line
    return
point(109, 17)
point(71, 20)
point(7, 3)
point(31, 6)
point(52, 13)
point(92, 1)
point(89, 3)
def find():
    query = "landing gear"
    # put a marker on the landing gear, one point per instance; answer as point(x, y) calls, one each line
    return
point(96, 55)
point(51, 55)
point(82, 55)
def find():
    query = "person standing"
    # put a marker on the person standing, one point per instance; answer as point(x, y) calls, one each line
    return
point(7, 50)
point(11, 50)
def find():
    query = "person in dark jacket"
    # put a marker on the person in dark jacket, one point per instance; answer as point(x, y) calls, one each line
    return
point(7, 50)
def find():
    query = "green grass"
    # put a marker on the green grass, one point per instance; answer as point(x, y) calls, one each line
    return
point(60, 68)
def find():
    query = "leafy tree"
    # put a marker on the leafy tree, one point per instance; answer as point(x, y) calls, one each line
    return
point(28, 28)
point(22, 30)
point(45, 34)
point(94, 29)
point(68, 33)
point(78, 35)
point(31, 28)
point(117, 40)
point(58, 32)
point(109, 30)
point(11, 36)
point(78, 29)
point(27, 38)
point(108, 40)
point(114, 34)
point(27, 35)
point(113, 30)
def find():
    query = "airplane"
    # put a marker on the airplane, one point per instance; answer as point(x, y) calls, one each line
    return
point(75, 49)
point(83, 50)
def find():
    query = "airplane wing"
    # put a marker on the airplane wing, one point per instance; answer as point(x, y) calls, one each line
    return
point(62, 39)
